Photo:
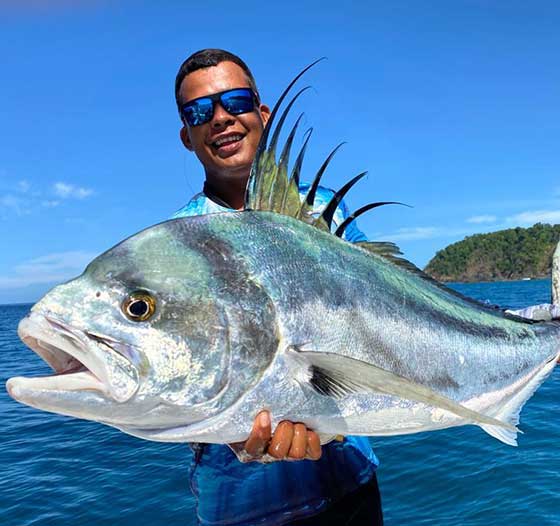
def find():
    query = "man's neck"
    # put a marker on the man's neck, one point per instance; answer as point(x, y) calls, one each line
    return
point(230, 193)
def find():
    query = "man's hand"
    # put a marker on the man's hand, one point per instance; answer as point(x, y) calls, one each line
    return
point(289, 442)
point(544, 311)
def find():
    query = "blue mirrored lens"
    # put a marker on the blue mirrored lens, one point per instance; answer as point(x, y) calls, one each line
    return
point(237, 101)
point(198, 111)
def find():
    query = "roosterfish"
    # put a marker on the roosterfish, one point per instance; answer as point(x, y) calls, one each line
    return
point(185, 330)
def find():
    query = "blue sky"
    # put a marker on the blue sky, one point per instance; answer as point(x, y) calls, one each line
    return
point(452, 106)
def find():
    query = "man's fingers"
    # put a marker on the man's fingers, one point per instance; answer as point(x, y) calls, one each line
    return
point(313, 446)
point(260, 435)
point(293, 441)
point(281, 440)
point(299, 442)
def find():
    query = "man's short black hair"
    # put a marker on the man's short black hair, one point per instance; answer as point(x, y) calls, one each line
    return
point(206, 58)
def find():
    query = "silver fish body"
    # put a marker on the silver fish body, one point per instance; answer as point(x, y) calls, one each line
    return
point(258, 310)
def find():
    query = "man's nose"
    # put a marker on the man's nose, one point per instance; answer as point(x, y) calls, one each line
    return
point(221, 117)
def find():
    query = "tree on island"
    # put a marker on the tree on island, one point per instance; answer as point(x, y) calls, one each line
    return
point(515, 253)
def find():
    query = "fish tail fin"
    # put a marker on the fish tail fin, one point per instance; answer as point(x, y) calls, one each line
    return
point(509, 412)
point(503, 435)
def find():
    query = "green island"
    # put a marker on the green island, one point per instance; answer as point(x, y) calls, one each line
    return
point(512, 254)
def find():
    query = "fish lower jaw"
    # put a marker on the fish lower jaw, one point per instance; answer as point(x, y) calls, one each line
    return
point(23, 389)
point(61, 353)
point(77, 367)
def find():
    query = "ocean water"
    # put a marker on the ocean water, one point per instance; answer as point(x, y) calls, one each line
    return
point(61, 471)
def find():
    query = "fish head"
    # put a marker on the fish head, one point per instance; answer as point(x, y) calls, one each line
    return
point(143, 339)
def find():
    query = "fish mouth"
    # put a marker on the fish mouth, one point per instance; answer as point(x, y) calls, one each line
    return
point(88, 368)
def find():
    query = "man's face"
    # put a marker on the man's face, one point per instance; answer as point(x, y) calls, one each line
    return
point(225, 145)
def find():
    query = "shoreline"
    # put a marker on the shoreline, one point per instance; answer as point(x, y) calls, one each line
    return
point(520, 280)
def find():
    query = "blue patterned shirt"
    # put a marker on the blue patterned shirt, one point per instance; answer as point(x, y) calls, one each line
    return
point(234, 494)
point(200, 204)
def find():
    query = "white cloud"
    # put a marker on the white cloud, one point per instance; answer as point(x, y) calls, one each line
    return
point(56, 267)
point(22, 198)
point(414, 233)
point(482, 219)
point(13, 205)
point(68, 191)
point(50, 203)
point(531, 217)
point(23, 186)
point(428, 232)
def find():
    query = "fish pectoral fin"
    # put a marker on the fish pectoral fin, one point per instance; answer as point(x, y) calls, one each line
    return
point(337, 376)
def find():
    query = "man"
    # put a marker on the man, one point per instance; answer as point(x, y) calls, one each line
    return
point(223, 120)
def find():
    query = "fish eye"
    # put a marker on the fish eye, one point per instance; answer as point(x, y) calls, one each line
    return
point(139, 306)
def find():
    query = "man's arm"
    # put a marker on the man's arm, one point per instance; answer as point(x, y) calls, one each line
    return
point(546, 311)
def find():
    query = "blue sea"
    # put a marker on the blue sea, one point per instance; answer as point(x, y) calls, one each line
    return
point(60, 471)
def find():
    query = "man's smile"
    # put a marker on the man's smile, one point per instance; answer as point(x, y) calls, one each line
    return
point(227, 143)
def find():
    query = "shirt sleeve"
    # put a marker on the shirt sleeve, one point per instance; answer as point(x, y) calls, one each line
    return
point(322, 198)
point(200, 205)
point(352, 233)
point(542, 312)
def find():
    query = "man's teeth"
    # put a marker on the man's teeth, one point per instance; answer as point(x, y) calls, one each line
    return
point(231, 138)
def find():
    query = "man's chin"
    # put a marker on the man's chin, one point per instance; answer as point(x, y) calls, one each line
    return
point(230, 170)
point(235, 162)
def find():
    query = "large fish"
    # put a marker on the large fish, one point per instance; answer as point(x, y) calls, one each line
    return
point(185, 330)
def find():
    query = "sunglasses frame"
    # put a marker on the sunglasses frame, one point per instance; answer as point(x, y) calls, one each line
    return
point(215, 98)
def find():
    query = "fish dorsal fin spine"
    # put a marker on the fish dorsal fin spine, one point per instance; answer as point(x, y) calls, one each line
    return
point(264, 170)
point(340, 230)
point(328, 213)
point(270, 188)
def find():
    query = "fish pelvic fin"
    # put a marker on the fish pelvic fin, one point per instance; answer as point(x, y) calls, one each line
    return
point(337, 376)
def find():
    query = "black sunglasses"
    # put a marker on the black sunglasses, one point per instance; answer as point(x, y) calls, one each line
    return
point(234, 101)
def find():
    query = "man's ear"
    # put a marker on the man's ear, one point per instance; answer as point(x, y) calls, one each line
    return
point(265, 113)
point(185, 139)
